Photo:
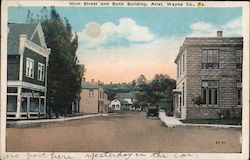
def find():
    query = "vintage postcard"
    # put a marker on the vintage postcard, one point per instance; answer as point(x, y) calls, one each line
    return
point(124, 80)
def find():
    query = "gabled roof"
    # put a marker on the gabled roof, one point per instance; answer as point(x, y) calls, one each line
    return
point(122, 101)
point(17, 29)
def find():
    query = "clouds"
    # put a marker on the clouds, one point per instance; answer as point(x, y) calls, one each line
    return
point(233, 27)
point(206, 29)
point(123, 51)
point(126, 31)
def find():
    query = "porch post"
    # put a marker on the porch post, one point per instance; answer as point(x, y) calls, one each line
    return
point(18, 109)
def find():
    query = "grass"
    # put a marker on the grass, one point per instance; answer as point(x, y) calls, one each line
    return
point(225, 121)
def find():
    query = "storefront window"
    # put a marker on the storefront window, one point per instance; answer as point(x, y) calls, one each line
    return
point(11, 103)
point(34, 104)
point(42, 107)
point(11, 89)
point(24, 104)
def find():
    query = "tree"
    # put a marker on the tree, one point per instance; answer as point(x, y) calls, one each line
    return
point(141, 83)
point(64, 72)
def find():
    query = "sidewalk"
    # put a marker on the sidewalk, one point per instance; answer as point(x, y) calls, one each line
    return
point(170, 121)
point(173, 122)
point(44, 121)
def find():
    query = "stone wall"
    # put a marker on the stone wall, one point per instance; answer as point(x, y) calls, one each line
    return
point(227, 75)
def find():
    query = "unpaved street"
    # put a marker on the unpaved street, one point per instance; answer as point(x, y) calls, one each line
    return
point(128, 132)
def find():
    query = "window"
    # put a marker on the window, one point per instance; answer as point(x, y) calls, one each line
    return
point(210, 92)
point(239, 93)
point(180, 66)
point(40, 72)
point(24, 104)
point(91, 94)
point(178, 70)
point(210, 59)
point(34, 105)
point(42, 105)
point(11, 89)
point(100, 94)
point(11, 103)
point(183, 65)
point(239, 55)
point(29, 68)
point(183, 94)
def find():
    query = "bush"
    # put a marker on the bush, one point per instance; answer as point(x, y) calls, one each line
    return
point(198, 100)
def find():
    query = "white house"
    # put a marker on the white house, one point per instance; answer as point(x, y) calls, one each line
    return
point(115, 105)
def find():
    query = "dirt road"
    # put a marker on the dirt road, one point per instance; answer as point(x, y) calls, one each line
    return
point(128, 132)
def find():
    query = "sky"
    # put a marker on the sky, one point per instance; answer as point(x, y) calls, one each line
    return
point(119, 44)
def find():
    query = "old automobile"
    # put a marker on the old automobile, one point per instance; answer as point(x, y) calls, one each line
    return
point(153, 111)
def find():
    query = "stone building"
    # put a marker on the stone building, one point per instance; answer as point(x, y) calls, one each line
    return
point(94, 98)
point(209, 76)
point(27, 64)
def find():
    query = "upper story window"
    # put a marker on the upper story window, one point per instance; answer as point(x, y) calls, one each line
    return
point(183, 63)
point(239, 56)
point(178, 70)
point(180, 66)
point(100, 94)
point(40, 71)
point(29, 68)
point(210, 59)
point(91, 94)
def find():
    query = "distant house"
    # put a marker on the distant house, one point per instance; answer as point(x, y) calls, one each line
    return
point(119, 104)
point(27, 65)
point(115, 105)
point(127, 99)
point(94, 98)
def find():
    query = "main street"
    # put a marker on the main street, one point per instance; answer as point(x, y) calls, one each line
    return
point(125, 132)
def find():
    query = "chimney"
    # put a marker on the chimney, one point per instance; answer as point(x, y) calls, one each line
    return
point(219, 34)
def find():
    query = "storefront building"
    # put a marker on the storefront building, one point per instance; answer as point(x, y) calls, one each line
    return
point(26, 71)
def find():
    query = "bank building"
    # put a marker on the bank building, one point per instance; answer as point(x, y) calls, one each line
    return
point(209, 78)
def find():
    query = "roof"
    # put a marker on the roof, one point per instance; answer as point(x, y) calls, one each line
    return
point(125, 95)
point(89, 85)
point(15, 30)
point(208, 41)
point(122, 101)
point(92, 85)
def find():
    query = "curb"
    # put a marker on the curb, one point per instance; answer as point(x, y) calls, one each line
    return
point(213, 125)
point(31, 123)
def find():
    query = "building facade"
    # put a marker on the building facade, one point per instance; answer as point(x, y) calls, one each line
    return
point(209, 76)
point(115, 105)
point(94, 98)
point(27, 65)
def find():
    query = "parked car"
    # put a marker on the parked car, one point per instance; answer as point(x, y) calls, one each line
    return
point(153, 111)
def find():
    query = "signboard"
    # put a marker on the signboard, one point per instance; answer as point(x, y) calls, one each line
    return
point(36, 95)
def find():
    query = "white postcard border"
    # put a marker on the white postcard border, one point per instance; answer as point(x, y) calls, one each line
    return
point(134, 155)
